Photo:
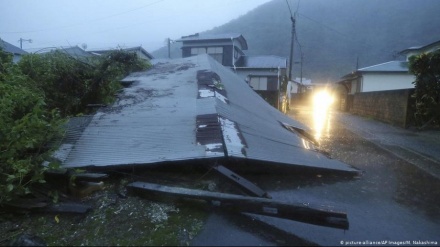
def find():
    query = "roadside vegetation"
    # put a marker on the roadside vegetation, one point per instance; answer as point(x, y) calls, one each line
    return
point(426, 68)
point(37, 95)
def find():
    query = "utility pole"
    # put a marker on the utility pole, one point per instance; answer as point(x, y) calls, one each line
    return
point(302, 58)
point(21, 42)
point(292, 43)
point(169, 41)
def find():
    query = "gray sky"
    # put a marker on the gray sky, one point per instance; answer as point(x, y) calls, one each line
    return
point(108, 23)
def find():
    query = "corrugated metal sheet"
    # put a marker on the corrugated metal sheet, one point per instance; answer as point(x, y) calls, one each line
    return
point(162, 117)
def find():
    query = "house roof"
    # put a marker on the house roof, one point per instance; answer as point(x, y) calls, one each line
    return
point(7, 47)
point(391, 66)
point(136, 48)
point(264, 62)
point(224, 36)
point(76, 52)
point(388, 67)
point(193, 109)
point(419, 48)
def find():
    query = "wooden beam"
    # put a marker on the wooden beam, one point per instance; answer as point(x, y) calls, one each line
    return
point(262, 206)
point(245, 184)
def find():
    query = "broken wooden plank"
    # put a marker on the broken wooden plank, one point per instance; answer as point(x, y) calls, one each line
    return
point(262, 206)
point(245, 184)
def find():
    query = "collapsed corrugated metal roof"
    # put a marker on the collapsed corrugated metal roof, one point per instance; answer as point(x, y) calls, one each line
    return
point(191, 109)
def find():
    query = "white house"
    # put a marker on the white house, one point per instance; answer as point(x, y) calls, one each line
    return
point(391, 75)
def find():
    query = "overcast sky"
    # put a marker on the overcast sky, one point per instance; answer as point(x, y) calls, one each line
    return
point(108, 23)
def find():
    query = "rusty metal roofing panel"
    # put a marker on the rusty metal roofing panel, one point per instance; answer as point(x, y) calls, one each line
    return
point(163, 116)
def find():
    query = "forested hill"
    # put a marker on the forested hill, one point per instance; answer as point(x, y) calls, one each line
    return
point(335, 34)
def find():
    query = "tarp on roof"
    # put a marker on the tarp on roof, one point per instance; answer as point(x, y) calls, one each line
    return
point(191, 109)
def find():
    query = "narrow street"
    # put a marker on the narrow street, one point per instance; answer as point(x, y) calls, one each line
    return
point(394, 201)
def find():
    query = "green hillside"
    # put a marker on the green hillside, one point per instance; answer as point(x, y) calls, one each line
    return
point(335, 34)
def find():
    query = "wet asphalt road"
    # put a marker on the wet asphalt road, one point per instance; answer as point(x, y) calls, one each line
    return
point(394, 201)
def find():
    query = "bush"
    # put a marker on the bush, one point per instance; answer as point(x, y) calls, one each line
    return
point(25, 129)
point(426, 68)
point(110, 69)
point(63, 80)
point(33, 96)
point(70, 84)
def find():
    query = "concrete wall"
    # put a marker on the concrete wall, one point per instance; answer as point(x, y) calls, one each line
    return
point(393, 106)
point(386, 81)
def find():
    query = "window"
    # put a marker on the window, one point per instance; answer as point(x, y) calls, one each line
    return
point(216, 53)
point(258, 83)
point(198, 50)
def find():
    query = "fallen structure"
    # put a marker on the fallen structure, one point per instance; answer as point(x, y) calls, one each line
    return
point(192, 109)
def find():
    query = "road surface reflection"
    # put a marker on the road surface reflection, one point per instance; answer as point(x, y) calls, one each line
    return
point(322, 102)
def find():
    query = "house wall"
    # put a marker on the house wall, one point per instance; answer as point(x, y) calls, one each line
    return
point(243, 74)
point(355, 86)
point(386, 81)
point(393, 106)
point(227, 51)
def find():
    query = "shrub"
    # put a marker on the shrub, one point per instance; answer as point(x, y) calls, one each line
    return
point(70, 84)
point(63, 79)
point(110, 69)
point(32, 96)
point(426, 68)
point(25, 129)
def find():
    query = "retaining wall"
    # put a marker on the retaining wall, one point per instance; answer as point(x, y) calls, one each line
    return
point(393, 106)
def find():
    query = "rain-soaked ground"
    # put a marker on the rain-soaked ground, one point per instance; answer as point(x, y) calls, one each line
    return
point(391, 202)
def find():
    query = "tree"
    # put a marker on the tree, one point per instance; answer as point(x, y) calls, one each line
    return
point(36, 94)
point(26, 127)
point(426, 68)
